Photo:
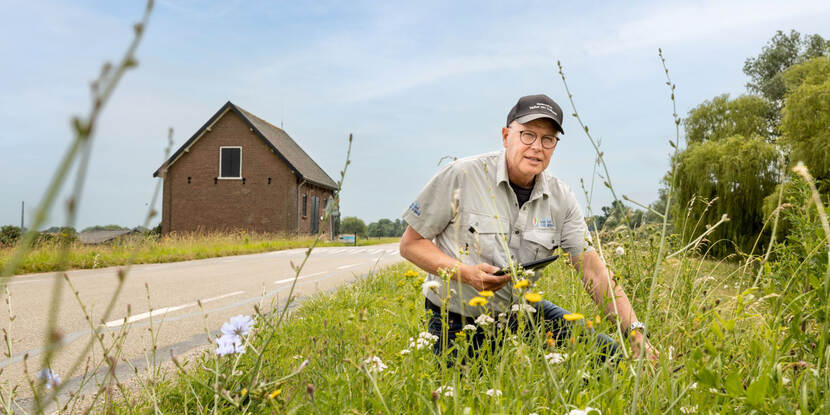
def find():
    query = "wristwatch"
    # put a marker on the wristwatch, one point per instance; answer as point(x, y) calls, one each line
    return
point(635, 326)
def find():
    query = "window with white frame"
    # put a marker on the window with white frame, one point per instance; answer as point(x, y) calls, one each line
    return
point(230, 162)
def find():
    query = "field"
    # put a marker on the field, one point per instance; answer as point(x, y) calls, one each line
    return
point(151, 249)
point(724, 347)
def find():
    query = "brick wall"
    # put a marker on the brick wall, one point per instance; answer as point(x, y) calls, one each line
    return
point(206, 204)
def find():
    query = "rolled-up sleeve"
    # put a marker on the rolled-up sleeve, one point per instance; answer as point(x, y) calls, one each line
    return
point(575, 236)
point(431, 212)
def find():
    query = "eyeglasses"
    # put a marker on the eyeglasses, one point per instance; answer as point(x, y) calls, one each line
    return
point(529, 137)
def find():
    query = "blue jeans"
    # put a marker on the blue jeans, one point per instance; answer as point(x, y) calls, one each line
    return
point(546, 313)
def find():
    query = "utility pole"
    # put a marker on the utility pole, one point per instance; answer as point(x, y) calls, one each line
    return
point(22, 206)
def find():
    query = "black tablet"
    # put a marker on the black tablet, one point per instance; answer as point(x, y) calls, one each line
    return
point(534, 265)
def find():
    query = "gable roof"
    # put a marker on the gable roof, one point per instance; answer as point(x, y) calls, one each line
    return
point(275, 138)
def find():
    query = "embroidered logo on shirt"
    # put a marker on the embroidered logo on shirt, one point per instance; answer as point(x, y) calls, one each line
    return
point(415, 208)
point(545, 223)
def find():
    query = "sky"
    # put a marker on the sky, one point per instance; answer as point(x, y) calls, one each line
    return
point(413, 82)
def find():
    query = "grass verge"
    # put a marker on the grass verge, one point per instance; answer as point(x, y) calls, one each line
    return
point(149, 250)
point(718, 355)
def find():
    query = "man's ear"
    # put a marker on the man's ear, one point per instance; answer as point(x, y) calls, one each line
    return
point(504, 132)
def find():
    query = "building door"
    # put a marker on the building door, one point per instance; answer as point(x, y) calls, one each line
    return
point(315, 215)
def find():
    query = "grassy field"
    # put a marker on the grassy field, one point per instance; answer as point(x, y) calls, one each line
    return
point(724, 347)
point(147, 250)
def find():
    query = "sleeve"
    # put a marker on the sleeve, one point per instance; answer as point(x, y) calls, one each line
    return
point(431, 212)
point(575, 236)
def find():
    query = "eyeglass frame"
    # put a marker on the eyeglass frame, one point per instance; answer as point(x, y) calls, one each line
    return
point(536, 137)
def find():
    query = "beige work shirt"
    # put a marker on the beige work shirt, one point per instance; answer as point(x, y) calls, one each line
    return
point(470, 212)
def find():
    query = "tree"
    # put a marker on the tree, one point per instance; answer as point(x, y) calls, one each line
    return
point(353, 225)
point(780, 53)
point(747, 115)
point(805, 125)
point(739, 171)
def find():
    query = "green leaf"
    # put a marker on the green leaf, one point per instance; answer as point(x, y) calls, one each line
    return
point(707, 377)
point(757, 391)
point(734, 385)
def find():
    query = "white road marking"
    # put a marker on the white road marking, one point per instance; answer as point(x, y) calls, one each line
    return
point(29, 281)
point(165, 310)
point(299, 278)
point(347, 266)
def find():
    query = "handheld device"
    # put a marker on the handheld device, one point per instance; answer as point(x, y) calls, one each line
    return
point(534, 265)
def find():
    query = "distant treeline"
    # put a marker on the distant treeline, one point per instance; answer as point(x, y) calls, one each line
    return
point(383, 227)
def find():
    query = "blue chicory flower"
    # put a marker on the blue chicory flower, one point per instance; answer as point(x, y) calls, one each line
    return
point(229, 344)
point(49, 378)
point(238, 326)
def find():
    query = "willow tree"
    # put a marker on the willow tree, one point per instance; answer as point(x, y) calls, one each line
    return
point(805, 127)
point(729, 157)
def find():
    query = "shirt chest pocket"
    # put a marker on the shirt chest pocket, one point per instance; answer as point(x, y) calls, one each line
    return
point(538, 244)
point(483, 240)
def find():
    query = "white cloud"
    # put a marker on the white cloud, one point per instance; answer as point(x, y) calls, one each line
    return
point(675, 23)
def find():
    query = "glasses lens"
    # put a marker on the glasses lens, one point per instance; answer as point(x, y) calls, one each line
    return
point(549, 141)
point(528, 137)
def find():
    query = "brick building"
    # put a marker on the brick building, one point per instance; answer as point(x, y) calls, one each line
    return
point(240, 172)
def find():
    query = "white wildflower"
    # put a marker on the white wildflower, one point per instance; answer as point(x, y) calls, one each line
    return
point(785, 380)
point(693, 386)
point(469, 328)
point(555, 358)
point(49, 378)
point(432, 285)
point(484, 320)
point(524, 307)
point(530, 272)
point(588, 410)
point(493, 392)
point(445, 390)
point(238, 325)
point(688, 409)
point(713, 390)
point(705, 278)
point(502, 317)
point(583, 374)
point(229, 344)
point(425, 339)
point(671, 352)
point(374, 365)
point(404, 352)
point(619, 251)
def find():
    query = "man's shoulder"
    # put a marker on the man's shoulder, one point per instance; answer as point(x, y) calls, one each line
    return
point(489, 157)
point(558, 189)
point(463, 164)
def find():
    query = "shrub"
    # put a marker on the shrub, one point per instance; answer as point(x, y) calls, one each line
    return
point(10, 234)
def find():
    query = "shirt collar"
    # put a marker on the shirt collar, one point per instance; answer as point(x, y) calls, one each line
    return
point(539, 187)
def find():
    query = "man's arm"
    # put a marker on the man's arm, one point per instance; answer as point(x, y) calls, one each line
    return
point(423, 253)
point(600, 284)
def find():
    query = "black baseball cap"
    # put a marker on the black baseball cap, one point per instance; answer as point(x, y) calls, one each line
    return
point(533, 107)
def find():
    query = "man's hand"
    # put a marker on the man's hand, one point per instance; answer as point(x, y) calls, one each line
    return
point(641, 347)
point(481, 277)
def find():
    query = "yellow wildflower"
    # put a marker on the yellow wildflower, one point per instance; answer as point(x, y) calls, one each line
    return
point(597, 319)
point(521, 284)
point(485, 293)
point(533, 297)
point(550, 342)
point(275, 393)
point(410, 273)
point(244, 392)
point(590, 324)
point(573, 317)
point(478, 301)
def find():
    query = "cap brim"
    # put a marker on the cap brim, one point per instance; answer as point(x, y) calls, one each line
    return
point(530, 117)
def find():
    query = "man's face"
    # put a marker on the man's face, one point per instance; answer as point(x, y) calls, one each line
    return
point(525, 161)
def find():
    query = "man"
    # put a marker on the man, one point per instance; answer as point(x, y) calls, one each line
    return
point(477, 209)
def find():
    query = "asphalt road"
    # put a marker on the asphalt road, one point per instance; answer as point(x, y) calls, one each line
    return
point(225, 286)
